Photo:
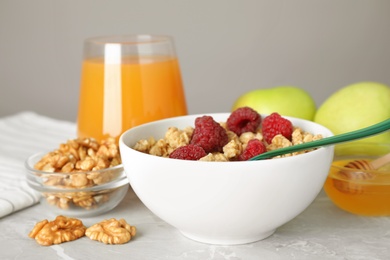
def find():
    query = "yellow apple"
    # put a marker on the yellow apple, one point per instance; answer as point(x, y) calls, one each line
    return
point(286, 100)
point(354, 107)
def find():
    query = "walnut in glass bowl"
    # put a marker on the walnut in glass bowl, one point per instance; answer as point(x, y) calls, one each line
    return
point(82, 177)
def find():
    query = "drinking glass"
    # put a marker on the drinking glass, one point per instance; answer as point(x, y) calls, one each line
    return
point(128, 80)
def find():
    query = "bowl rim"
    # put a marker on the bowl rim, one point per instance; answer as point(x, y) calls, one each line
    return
point(40, 154)
point(33, 173)
point(128, 132)
point(359, 155)
point(376, 180)
point(105, 186)
point(351, 170)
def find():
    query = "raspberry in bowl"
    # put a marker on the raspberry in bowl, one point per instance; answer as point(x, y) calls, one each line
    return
point(222, 198)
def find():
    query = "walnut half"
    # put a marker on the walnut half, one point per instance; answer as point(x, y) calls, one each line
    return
point(111, 231)
point(60, 230)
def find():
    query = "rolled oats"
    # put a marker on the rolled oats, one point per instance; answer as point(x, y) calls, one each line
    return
point(214, 157)
point(232, 149)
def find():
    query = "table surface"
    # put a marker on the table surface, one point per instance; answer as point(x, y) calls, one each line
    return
point(322, 231)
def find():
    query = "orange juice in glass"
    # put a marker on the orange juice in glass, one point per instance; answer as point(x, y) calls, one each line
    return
point(126, 81)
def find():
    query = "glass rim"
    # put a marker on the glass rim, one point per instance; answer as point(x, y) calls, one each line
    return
point(129, 39)
point(34, 158)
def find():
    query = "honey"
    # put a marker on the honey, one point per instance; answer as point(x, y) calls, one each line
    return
point(367, 196)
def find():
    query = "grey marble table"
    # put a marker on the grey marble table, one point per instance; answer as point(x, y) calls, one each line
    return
point(322, 231)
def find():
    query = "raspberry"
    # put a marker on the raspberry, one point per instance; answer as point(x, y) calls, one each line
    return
point(253, 148)
point(243, 119)
point(209, 135)
point(274, 124)
point(188, 152)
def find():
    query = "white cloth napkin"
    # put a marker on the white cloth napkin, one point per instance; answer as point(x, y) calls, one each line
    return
point(21, 135)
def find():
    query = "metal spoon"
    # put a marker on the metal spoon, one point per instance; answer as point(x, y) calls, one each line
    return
point(346, 137)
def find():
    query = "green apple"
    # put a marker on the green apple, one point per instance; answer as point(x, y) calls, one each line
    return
point(286, 100)
point(354, 107)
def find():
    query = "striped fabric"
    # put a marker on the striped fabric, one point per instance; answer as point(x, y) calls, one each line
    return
point(20, 136)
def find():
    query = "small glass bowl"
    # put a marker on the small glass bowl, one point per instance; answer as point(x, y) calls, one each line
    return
point(359, 191)
point(106, 188)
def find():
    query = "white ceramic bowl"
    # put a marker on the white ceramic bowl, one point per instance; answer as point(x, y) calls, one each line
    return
point(224, 202)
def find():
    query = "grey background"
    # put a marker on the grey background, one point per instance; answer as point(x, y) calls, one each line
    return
point(225, 47)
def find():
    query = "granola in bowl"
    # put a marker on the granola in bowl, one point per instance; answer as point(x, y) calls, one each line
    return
point(234, 145)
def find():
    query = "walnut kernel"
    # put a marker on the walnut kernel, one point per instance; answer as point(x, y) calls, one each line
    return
point(75, 165)
point(60, 230)
point(111, 231)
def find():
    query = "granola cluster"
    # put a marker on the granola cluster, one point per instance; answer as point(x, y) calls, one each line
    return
point(77, 164)
point(64, 229)
point(175, 137)
point(298, 137)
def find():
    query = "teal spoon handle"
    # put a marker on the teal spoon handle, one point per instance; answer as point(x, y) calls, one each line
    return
point(349, 136)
